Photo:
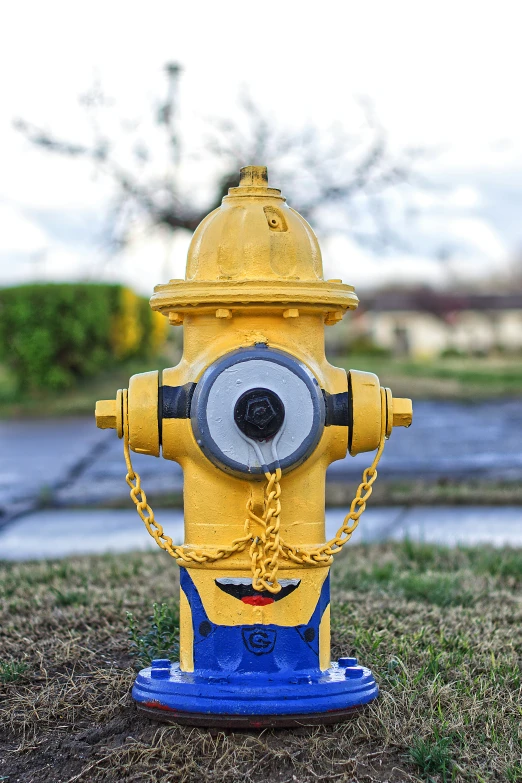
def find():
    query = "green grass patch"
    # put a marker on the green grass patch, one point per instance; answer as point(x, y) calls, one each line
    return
point(431, 588)
point(432, 756)
point(514, 773)
point(465, 377)
point(504, 563)
point(439, 589)
point(12, 671)
point(80, 398)
point(159, 638)
point(426, 573)
point(70, 597)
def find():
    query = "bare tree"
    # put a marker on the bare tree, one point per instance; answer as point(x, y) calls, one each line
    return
point(339, 180)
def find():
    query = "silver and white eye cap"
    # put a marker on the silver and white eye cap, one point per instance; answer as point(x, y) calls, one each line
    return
point(277, 376)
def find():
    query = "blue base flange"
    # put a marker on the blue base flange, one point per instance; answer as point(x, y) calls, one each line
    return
point(215, 698)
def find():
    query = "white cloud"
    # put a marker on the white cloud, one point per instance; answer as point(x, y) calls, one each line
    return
point(465, 197)
point(18, 233)
point(479, 235)
point(344, 259)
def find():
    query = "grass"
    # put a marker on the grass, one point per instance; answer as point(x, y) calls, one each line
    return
point(440, 629)
point(465, 377)
point(432, 756)
point(70, 597)
point(80, 399)
point(422, 492)
point(11, 671)
point(161, 636)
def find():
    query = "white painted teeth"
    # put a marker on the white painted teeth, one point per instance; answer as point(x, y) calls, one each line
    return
point(232, 580)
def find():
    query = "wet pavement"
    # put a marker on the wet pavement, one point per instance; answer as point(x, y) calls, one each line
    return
point(452, 440)
point(37, 457)
point(63, 532)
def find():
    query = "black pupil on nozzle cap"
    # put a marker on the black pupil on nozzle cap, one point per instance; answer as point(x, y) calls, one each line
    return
point(259, 414)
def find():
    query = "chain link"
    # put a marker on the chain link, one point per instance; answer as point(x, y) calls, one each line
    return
point(267, 547)
point(323, 555)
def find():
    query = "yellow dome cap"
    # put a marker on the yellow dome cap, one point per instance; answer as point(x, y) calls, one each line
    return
point(254, 235)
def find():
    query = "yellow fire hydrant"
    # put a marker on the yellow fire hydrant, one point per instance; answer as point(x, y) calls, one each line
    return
point(254, 414)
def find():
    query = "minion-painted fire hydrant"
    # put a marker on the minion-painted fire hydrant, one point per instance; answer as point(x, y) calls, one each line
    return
point(254, 414)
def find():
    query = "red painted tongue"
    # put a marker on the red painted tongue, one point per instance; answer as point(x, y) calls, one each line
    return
point(257, 600)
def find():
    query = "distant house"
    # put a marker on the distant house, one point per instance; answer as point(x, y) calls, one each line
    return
point(424, 323)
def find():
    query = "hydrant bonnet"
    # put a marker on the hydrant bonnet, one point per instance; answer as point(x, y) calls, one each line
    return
point(253, 249)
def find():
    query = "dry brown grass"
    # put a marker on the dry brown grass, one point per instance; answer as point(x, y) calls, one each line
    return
point(428, 492)
point(440, 629)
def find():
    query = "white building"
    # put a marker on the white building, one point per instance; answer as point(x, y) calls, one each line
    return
point(423, 323)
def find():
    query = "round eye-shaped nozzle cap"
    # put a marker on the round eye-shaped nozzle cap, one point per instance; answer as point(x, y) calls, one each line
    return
point(259, 414)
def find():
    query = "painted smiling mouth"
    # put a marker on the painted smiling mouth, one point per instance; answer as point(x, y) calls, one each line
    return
point(241, 588)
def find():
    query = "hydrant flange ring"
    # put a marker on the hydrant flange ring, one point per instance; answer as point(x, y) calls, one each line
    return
point(226, 381)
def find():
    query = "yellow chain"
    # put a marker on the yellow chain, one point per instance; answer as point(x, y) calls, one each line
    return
point(323, 554)
point(268, 546)
point(139, 498)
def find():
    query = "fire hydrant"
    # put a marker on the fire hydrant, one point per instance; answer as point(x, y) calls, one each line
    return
point(254, 414)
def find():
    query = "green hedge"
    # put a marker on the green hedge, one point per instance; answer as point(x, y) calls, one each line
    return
point(56, 333)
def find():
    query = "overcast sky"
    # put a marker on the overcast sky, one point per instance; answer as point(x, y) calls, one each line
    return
point(443, 75)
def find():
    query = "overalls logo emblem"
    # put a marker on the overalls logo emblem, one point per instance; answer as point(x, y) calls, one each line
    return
point(259, 640)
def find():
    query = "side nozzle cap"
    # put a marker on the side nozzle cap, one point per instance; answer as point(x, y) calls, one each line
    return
point(402, 412)
point(365, 403)
point(105, 414)
point(109, 414)
point(142, 412)
point(366, 400)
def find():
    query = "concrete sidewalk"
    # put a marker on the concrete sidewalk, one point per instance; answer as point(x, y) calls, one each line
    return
point(63, 532)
